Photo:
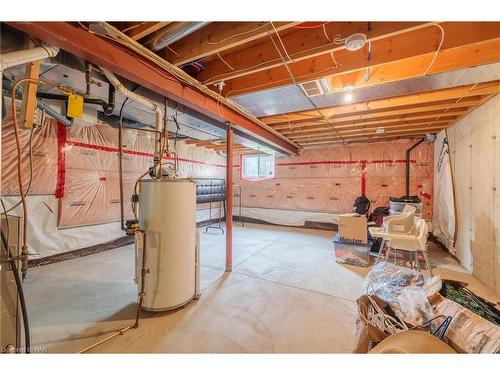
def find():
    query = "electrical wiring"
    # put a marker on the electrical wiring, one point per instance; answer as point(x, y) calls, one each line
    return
point(171, 50)
point(438, 49)
point(281, 42)
point(312, 26)
point(19, 285)
point(269, 63)
point(447, 109)
point(24, 249)
point(307, 97)
point(30, 153)
point(225, 62)
point(237, 35)
point(146, 57)
point(326, 35)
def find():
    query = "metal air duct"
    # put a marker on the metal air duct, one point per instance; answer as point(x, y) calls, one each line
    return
point(172, 33)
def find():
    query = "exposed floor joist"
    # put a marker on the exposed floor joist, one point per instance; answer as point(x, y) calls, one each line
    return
point(301, 45)
point(218, 37)
point(418, 45)
point(408, 115)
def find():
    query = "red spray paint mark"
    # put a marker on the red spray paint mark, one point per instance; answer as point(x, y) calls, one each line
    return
point(61, 161)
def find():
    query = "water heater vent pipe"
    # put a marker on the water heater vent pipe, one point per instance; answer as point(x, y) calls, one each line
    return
point(156, 107)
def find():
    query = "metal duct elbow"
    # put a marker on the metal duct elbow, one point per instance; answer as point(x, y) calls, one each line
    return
point(172, 33)
point(25, 56)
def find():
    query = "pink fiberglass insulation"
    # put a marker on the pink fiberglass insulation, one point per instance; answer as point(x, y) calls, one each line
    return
point(79, 164)
point(91, 193)
point(44, 151)
point(328, 179)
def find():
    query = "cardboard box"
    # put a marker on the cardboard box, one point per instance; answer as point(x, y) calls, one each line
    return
point(353, 253)
point(352, 228)
point(468, 332)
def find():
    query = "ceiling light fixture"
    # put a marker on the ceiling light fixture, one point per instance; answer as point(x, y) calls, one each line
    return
point(380, 130)
point(355, 41)
point(348, 93)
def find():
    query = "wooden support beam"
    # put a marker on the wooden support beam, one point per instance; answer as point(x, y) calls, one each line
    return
point(217, 37)
point(143, 29)
point(456, 93)
point(152, 74)
point(419, 43)
point(29, 95)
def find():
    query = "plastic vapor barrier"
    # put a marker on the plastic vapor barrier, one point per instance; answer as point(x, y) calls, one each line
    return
point(79, 165)
point(329, 179)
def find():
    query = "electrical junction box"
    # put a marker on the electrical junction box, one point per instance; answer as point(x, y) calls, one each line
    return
point(10, 323)
point(75, 106)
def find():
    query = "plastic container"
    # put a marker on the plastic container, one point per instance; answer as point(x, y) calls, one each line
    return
point(392, 213)
point(353, 253)
point(398, 207)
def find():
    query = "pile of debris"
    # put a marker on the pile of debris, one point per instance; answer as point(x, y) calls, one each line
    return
point(397, 300)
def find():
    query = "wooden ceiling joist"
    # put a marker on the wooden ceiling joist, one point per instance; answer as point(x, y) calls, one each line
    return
point(420, 44)
point(454, 93)
point(390, 112)
point(301, 45)
point(142, 29)
point(361, 130)
point(373, 136)
point(372, 124)
point(218, 37)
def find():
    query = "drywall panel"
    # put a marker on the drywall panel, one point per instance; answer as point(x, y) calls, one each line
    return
point(475, 166)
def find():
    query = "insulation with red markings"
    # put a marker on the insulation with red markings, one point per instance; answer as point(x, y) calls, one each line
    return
point(328, 179)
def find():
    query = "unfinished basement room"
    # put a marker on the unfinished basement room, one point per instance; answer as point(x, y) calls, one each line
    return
point(228, 186)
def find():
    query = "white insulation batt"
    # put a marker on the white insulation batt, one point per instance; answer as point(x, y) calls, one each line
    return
point(443, 212)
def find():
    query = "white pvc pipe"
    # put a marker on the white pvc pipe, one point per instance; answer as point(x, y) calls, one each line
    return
point(25, 56)
point(148, 104)
point(136, 97)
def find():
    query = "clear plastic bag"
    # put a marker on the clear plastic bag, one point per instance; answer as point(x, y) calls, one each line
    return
point(403, 288)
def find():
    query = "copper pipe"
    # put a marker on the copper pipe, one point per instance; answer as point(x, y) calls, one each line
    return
point(24, 248)
point(121, 331)
point(229, 199)
point(143, 278)
point(120, 168)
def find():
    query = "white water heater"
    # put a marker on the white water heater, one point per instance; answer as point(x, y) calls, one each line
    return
point(167, 215)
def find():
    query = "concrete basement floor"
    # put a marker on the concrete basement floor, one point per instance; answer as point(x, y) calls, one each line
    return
point(286, 294)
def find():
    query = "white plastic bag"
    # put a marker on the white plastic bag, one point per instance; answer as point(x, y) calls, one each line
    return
point(403, 288)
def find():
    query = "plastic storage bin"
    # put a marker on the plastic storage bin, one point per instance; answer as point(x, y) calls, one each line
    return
point(398, 207)
point(353, 253)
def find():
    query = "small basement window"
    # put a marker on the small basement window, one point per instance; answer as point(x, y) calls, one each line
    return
point(257, 167)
